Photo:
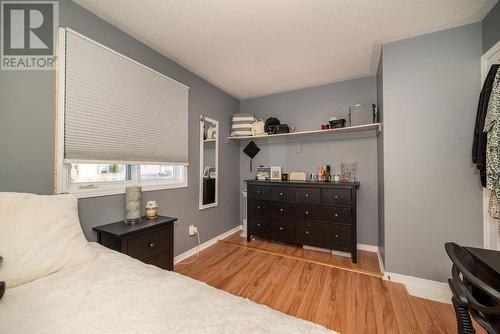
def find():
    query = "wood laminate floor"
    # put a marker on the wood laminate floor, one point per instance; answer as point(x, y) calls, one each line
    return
point(342, 300)
point(367, 261)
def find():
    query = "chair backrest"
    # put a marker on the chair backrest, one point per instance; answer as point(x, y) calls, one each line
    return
point(482, 301)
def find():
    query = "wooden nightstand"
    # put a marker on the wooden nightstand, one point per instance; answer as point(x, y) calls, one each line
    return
point(150, 241)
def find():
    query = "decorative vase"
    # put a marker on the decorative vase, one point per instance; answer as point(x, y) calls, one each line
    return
point(133, 204)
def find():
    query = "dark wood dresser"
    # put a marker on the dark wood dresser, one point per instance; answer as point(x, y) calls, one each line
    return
point(150, 241)
point(321, 214)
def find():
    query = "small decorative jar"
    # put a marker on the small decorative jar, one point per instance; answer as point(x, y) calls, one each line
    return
point(151, 210)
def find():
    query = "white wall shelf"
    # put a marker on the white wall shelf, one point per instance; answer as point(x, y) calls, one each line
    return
point(360, 131)
point(209, 142)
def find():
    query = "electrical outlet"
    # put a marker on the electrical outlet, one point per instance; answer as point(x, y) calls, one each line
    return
point(193, 230)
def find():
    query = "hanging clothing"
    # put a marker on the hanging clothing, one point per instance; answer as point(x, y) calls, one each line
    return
point(480, 137)
point(492, 130)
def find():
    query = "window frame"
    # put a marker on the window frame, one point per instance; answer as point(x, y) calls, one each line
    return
point(62, 170)
point(105, 188)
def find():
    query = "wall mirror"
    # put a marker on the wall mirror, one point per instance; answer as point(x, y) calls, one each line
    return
point(209, 162)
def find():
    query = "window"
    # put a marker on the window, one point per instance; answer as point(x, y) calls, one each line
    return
point(88, 180)
point(162, 174)
point(103, 98)
point(85, 173)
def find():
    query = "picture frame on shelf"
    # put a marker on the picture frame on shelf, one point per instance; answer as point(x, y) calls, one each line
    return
point(348, 171)
point(263, 173)
point(276, 173)
point(209, 172)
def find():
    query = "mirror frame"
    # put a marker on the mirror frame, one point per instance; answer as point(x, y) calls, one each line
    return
point(202, 206)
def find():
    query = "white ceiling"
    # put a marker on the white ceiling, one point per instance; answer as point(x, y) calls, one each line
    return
point(252, 48)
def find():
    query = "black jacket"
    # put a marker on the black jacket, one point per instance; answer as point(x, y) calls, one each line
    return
point(480, 138)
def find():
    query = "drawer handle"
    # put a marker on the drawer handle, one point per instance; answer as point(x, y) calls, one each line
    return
point(307, 231)
point(336, 214)
point(258, 192)
point(281, 228)
point(258, 206)
point(307, 195)
point(281, 194)
point(307, 212)
point(152, 244)
point(281, 210)
point(336, 235)
point(335, 196)
point(258, 224)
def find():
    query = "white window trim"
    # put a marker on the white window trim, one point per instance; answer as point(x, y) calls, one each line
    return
point(96, 189)
point(62, 173)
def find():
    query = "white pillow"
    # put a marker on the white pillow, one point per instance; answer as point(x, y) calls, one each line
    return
point(39, 235)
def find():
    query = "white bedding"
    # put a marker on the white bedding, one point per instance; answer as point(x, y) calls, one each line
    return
point(116, 294)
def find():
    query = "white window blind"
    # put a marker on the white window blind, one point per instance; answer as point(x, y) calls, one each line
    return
point(117, 110)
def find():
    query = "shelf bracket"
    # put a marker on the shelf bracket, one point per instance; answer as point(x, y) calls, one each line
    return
point(298, 147)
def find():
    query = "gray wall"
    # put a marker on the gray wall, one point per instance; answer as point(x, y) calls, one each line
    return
point(27, 137)
point(380, 158)
point(307, 109)
point(432, 193)
point(491, 28)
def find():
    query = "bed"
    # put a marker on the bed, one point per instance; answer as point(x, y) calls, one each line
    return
point(113, 293)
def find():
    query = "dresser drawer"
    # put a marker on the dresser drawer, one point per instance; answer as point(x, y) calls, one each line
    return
point(162, 261)
point(308, 212)
point(280, 209)
point(337, 214)
point(336, 196)
point(258, 208)
point(149, 244)
point(324, 235)
point(259, 192)
point(283, 194)
point(334, 214)
point(308, 195)
point(282, 230)
point(258, 226)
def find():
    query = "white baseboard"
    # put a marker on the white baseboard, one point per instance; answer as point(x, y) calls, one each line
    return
point(375, 249)
point(369, 248)
point(206, 244)
point(380, 262)
point(424, 288)
point(243, 233)
point(317, 249)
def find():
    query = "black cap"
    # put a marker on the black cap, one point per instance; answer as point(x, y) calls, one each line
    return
point(251, 150)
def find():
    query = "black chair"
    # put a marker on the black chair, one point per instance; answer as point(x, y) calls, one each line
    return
point(471, 296)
